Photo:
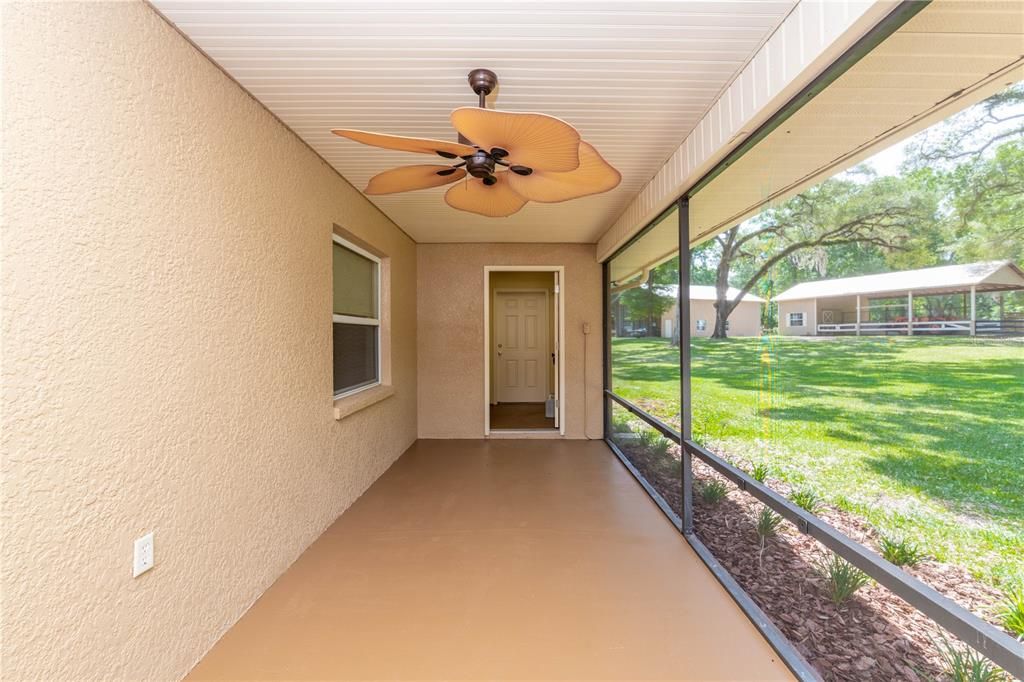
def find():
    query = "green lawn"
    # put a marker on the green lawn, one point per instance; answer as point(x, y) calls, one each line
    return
point(921, 437)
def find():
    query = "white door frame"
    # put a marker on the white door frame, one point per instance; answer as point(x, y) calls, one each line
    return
point(560, 343)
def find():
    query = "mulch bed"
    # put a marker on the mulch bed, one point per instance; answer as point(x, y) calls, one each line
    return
point(874, 635)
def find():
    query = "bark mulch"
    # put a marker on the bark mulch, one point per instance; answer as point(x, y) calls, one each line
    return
point(874, 635)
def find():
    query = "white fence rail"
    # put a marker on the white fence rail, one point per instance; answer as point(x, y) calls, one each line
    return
point(949, 326)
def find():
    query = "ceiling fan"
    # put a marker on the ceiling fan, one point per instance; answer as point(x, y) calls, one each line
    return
point(509, 158)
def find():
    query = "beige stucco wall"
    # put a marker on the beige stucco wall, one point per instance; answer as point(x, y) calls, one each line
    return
point(451, 333)
point(745, 319)
point(166, 283)
point(806, 307)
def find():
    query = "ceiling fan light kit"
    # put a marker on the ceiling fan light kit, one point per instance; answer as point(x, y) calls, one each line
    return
point(506, 159)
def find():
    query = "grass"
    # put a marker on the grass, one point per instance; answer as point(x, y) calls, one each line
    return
point(918, 436)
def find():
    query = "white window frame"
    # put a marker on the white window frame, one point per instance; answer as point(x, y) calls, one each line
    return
point(789, 319)
point(352, 319)
point(702, 325)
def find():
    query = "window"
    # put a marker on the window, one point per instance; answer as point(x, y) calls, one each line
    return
point(702, 325)
point(356, 318)
point(796, 319)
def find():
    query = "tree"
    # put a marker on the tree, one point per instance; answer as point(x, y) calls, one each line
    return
point(647, 299)
point(970, 134)
point(881, 213)
point(976, 158)
point(987, 196)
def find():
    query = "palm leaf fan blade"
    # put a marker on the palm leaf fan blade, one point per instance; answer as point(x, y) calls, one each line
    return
point(418, 145)
point(538, 141)
point(410, 178)
point(594, 176)
point(495, 201)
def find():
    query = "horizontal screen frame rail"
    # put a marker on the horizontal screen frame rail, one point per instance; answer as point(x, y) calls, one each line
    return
point(987, 639)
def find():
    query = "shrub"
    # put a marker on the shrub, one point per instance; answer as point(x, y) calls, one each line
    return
point(842, 578)
point(768, 523)
point(806, 499)
point(713, 491)
point(1011, 610)
point(900, 551)
point(760, 472)
point(655, 442)
point(964, 664)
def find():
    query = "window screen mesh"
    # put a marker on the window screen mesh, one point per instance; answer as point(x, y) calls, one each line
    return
point(355, 356)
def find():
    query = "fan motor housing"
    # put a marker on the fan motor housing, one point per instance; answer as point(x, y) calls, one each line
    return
point(480, 165)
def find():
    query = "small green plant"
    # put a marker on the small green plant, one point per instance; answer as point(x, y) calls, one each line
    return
point(806, 499)
point(760, 472)
point(655, 442)
point(1011, 610)
point(964, 664)
point(900, 551)
point(842, 578)
point(713, 491)
point(768, 523)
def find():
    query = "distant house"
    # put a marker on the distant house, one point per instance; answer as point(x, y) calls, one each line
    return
point(745, 319)
point(939, 300)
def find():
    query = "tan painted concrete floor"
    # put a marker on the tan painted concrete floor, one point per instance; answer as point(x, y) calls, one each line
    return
point(504, 559)
point(520, 416)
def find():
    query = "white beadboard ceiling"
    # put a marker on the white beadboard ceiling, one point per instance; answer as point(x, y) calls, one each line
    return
point(633, 77)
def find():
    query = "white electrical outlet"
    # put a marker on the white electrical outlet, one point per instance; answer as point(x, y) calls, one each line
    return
point(143, 560)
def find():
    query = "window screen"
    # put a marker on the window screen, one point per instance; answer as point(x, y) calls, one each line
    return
point(356, 309)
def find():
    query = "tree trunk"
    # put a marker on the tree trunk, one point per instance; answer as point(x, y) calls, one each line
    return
point(721, 316)
point(722, 307)
point(677, 326)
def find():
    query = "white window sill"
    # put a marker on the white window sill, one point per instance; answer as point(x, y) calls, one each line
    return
point(351, 404)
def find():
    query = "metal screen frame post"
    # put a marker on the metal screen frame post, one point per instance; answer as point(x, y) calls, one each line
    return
point(685, 395)
point(606, 344)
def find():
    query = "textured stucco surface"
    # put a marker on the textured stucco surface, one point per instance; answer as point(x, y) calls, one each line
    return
point(166, 282)
point(745, 319)
point(450, 310)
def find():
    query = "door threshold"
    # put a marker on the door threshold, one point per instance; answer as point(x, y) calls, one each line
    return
point(525, 433)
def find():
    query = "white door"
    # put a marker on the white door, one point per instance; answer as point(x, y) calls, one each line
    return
point(521, 347)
